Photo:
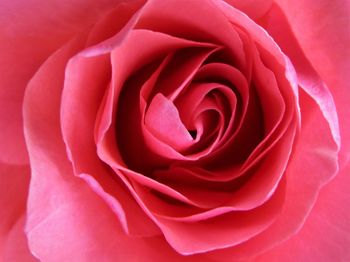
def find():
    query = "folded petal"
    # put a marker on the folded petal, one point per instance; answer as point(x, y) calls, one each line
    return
point(163, 120)
point(313, 164)
point(308, 79)
point(61, 207)
point(322, 30)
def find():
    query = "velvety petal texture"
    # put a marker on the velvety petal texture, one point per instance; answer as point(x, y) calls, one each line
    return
point(57, 196)
point(13, 195)
point(151, 130)
point(328, 216)
point(323, 32)
point(31, 31)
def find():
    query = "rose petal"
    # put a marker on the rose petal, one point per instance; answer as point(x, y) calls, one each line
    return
point(168, 79)
point(249, 128)
point(323, 32)
point(48, 154)
point(255, 9)
point(108, 27)
point(219, 231)
point(329, 217)
point(193, 24)
point(163, 120)
point(193, 98)
point(14, 184)
point(24, 25)
point(103, 35)
point(308, 78)
point(74, 219)
point(313, 164)
point(79, 115)
point(91, 231)
point(126, 60)
point(251, 193)
point(272, 103)
point(180, 70)
point(63, 212)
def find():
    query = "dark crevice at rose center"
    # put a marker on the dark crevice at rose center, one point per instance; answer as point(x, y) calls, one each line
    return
point(193, 133)
point(202, 128)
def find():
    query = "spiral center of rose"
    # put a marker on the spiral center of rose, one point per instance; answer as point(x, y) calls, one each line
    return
point(195, 119)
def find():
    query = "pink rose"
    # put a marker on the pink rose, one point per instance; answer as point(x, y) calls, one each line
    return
point(175, 130)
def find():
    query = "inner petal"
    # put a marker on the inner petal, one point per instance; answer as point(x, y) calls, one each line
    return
point(163, 121)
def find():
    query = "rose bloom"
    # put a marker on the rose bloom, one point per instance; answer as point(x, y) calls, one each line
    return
point(175, 130)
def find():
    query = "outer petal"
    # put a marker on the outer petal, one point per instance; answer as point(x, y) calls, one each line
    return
point(67, 221)
point(308, 79)
point(253, 8)
point(326, 234)
point(332, 248)
point(322, 29)
point(14, 182)
point(85, 83)
point(29, 32)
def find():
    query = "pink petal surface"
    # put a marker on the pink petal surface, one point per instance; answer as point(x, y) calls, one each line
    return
point(56, 195)
point(180, 70)
point(253, 193)
point(325, 236)
point(193, 99)
point(248, 131)
point(255, 9)
point(106, 32)
point(281, 58)
point(25, 25)
point(14, 183)
point(163, 120)
point(313, 164)
point(140, 177)
point(219, 231)
point(170, 78)
point(323, 33)
point(272, 104)
point(125, 61)
point(193, 238)
point(63, 212)
point(80, 114)
point(308, 78)
point(276, 173)
point(192, 23)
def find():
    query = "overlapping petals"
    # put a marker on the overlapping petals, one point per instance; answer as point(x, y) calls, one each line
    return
point(191, 126)
point(199, 128)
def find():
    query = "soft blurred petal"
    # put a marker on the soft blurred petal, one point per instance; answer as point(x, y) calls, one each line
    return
point(29, 32)
point(326, 234)
point(14, 182)
point(255, 9)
